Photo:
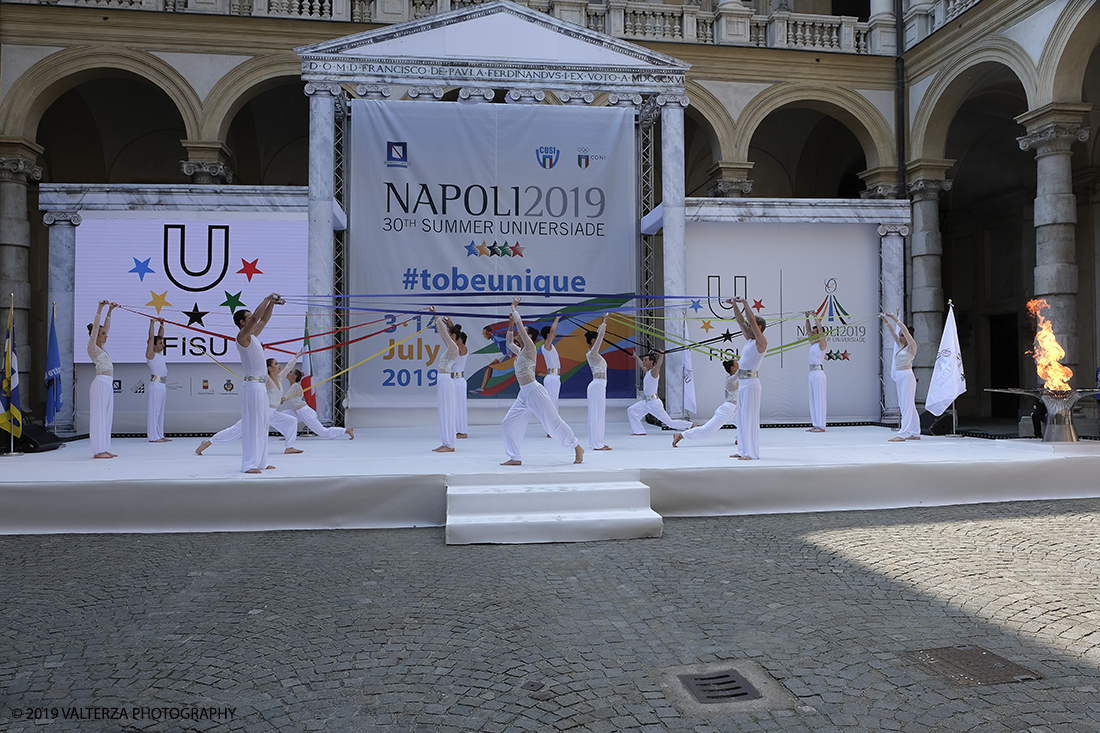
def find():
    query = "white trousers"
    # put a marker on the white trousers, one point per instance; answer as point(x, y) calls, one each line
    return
point(907, 395)
point(817, 398)
point(552, 382)
point(597, 412)
point(725, 413)
point(533, 400)
point(154, 419)
point(748, 417)
point(308, 415)
point(101, 413)
point(655, 407)
point(462, 418)
point(445, 401)
point(285, 422)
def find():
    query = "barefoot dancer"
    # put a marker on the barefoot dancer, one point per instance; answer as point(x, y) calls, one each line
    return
point(817, 374)
point(445, 386)
point(254, 405)
point(748, 394)
point(905, 348)
point(156, 390)
point(651, 404)
point(101, 392)
point(294, 402)
point(458, 374)
point(532, 398)
point(725, 412)
point(597, 388)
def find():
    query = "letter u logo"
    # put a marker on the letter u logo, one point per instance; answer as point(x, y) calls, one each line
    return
point(714, 293)
point(175, 238)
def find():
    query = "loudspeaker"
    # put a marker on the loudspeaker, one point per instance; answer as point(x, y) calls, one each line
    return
point(35, 439)
point(935, 424)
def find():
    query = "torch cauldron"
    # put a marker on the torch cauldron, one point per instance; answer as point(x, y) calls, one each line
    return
point(1059, 404)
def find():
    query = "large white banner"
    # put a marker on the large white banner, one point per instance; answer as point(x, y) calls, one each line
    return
point(462, 205)
point(784, 270)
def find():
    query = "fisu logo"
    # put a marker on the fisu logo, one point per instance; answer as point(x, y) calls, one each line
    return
point(175, 241)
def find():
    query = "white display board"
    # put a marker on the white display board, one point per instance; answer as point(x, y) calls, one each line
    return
point(784, 269)
point(459, 205)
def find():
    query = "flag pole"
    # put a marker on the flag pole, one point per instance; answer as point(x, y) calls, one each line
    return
point(954, 411)
point(7, 365)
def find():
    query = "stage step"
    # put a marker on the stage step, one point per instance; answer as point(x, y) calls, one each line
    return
point(531, 509)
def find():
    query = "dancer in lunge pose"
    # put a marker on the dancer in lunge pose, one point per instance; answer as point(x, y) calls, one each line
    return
point(597, 388)
point(294, 403)
point(748, 394)
point(532, 398)
point(101, 392)
point(458, 374)
point(651, 404)
point(445, 387)
point(817, 374)
point(156, 390)
point(725, 412)
point(254, 404)
point(905, 348)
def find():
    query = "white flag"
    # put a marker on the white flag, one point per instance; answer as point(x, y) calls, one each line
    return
point(689, 378)
point(948, 381)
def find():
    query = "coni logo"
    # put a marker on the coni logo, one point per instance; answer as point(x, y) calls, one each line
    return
point(547, 156)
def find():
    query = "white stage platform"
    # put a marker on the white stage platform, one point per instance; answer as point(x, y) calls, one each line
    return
point(391, 478)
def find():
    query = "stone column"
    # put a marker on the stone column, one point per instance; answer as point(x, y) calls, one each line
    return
point(673, 241)
point(17, 168)
point(925, 185)
point(1052, 131)
point(882, 28)
point(62, 226)
point(319, 277)
point(207, 162)
point(731, 180)
point(891, 300)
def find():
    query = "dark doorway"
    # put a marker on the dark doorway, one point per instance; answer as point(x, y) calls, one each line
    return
point(1004, 364)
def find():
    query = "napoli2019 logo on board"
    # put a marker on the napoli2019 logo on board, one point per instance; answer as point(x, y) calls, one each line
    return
point(175, 235)
point(397, 155)
point(547, 156)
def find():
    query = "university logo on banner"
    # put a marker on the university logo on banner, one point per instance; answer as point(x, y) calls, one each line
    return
point(547, 157)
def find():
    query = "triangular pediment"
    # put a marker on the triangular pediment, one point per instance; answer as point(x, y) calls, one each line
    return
point(500, 33)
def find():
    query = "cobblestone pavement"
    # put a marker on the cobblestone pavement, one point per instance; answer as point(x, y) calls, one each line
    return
point(394, 631)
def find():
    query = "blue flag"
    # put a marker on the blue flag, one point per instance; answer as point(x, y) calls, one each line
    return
point(54, 395)
point(11, 418)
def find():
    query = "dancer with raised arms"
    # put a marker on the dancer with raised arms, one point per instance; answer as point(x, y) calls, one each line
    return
point(597, 388)
point(458, 374)
point(532, 398)
point(651, 404)
point(254, 403)
point(552, 380)
point(905, 348)
point(724, 413)
point(156, 390)
point(101, 392)
point(748, 393)
point(818, 384)
point(445, 387)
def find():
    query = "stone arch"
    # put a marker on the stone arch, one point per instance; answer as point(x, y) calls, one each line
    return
point(851, 109)
point(33, 93)
point(954, 83)
point(1066, 55)
point(722, 126)
point(242, 83)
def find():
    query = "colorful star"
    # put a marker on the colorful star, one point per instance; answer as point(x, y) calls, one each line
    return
point(844, 355)
point(696, 305)
point(249, 269)
point(195, 316)
point(505, 250)
point(233, 301)
point(517, 251)
point(482, 250)
point(707, 327)
point(142, 268)
point(471, 250)
point(159, 301)
point(757, 305)
point(494, 250)
point(727, 336)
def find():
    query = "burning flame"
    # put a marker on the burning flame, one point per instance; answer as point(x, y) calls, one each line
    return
point(1048, 353)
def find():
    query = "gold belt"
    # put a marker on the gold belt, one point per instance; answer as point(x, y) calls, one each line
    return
point(456, 375)
point(652, 397)
point(552, 371)
point(260, 380)
point(746, 374)
point(155, 378)
point(814, 367)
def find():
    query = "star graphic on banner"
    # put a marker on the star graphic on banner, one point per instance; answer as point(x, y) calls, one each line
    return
point(233, 301)
point(471, 249)
point(250, 269)
point(482, 250)
point(159, 301)
point(505, 250)
point(696, 305)
point(707, 327)
point(844, 355)
point(141, 267)
point(517, 251)
point(757, 305)
point(195, 316)
point(727, 336)
point(494, 250)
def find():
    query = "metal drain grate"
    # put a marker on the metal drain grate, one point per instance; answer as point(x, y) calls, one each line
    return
point(970, 666)
point(718, 687)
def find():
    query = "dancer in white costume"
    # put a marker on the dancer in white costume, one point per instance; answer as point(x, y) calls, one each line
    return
point(101, 393)
point(552, 380)
point(294, 402)
point(597, 388)
point(817, 375)
point(724, 413)
point(532, 398)
point(458, 375)
point(748, 394)
point(156, 390)
point(254, 405)
point(285, 422)
point(651, 404)
point(905, 348)
point(445, 385)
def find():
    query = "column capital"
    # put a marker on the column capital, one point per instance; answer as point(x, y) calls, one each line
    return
point(207, 171)
point(881, 183)
point(526, 96)
point(901, 230)
point(928, 189)
point(426, 93)
point(19, 169)
point(373, 91)
point(879, 191)
point(725, 188)
point(624, 100)
point(322, 88)
point(672, 99)
point(1054, 137)
point(576, 97)
point(70, 218)
point(476, 95)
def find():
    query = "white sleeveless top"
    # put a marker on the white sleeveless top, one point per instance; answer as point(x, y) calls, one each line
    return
point(732, 385)
point(101, 359)
point(460, 363)
point(649, 384)
point(292, 398)
point(817, 356)
point(447, 360)
point(552, 357)
point(750, 357)
point(158, 365)
point(903, 358)
point(524, 364)
point(252, 358)
point(595, 358)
